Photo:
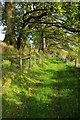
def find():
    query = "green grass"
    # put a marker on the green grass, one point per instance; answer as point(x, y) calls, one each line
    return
point(48, 90)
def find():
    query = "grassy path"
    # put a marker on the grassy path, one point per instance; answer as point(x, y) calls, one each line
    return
point(49, 90)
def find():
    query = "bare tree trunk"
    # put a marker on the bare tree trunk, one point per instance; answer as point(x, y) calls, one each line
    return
point(42, 43)
point(75, 62)
point(34, 56)
point(30, 61)
point(10, 31)
point(20, 58)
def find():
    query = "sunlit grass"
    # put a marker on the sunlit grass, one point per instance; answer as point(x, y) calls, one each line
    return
point(37, 93)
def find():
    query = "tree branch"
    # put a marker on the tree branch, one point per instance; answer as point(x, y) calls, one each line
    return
point(59, 26)
point(32, 12)
point(34, 17)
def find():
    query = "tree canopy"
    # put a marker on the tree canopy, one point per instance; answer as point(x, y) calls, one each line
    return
point(49, 25)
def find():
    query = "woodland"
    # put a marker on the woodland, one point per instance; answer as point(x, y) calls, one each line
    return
point(40, 60)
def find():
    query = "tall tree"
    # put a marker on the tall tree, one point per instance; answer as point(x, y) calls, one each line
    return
point(9, 16)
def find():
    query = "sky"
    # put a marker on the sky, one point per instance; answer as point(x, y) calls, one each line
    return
point(1, 34)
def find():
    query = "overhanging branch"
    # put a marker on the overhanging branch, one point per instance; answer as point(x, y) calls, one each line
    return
point(32, 11)
point(59, 26)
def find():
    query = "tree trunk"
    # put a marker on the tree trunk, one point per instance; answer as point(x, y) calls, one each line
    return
point(10, 31)
point(30, 61)
point(20, 58)
point(42, 43)
point(0, 11)
point(75, 62)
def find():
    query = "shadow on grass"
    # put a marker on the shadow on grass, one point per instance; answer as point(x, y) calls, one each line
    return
point(30, 107)
point(68, 100)
point(55, 97)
